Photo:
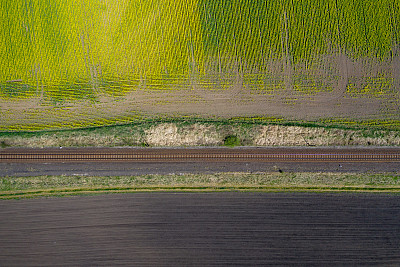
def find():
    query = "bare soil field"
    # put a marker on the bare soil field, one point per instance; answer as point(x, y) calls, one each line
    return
point(169, 229)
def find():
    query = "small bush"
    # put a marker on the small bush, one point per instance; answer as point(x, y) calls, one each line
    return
point(231, 140)
point(3, 144)
point(144, 144)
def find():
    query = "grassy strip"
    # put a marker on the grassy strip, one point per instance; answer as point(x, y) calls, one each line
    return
point(71, 192)
point(202, 132)
point(41, 186)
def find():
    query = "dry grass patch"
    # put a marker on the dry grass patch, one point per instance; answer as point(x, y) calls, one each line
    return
point(168, 134)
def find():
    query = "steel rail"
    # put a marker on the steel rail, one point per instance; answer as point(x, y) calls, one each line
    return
point(196, 155)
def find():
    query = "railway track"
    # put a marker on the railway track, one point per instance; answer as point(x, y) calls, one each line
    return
point(200, 155)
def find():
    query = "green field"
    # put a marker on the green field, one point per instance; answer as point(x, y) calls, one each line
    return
point(62, 61)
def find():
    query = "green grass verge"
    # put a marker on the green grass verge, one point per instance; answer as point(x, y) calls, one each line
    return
point(43, 186)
